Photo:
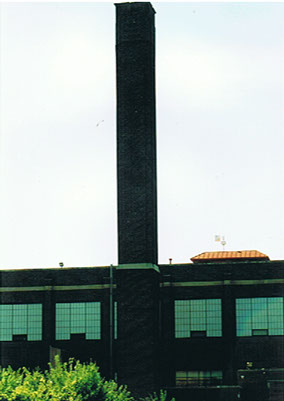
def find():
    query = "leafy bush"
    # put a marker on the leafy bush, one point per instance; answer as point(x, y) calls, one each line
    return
point(72, 381)
point(160, 397)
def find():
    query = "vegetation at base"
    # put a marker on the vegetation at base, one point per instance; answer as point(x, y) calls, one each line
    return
point(72, 381)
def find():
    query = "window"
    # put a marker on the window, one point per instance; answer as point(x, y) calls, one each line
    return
point(198, 318)
point(199, 378)
point(78, 320)
point(21, 322)
point(259, 316)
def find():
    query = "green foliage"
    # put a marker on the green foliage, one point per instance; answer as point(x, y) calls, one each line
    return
point(72, 381)
point(157, 397)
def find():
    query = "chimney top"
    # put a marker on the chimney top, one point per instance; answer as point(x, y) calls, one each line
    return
point(139, 4)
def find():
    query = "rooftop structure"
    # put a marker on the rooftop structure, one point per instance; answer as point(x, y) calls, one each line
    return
point(222, 256)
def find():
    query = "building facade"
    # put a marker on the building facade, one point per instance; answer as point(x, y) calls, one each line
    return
point(219, 325)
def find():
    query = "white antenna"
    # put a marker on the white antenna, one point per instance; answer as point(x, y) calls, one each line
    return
point(222, 241)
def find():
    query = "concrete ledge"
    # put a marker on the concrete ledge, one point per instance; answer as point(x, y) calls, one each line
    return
point(223, 282)
point(138, 266)
point(57, 288)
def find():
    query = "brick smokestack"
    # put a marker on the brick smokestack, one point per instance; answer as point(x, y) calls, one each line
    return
point(136, 133)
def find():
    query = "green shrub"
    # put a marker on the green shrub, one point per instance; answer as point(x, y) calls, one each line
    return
point(162, 396)
point(72, 381)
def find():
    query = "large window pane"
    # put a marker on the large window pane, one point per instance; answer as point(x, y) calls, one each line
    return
point(259, 316)
point(21, 320)
point(198, 318)
point(78, 318)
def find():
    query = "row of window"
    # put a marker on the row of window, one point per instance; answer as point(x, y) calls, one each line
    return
point(254, 316)
point(193, 318)
point(20, 322)
point(199, 378)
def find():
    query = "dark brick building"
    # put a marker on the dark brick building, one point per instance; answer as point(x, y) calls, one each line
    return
point(208, 330)
point(211, 326)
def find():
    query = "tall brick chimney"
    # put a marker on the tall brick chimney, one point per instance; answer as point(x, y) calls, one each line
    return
point(137, 275)
point(136, 133)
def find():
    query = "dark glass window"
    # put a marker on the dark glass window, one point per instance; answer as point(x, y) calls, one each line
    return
point(260, 332)
point(197, 333)
point(78, 337)
point(20, 337)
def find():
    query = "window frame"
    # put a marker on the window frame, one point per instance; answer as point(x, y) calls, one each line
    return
point(198, 316)
point(199, 378)
point(24, 322)
point(78, 321)
point(258, 316)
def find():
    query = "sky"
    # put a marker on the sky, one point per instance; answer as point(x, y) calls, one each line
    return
point(220, 120)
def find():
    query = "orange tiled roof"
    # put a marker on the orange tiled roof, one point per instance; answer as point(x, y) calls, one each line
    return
point(231, 255)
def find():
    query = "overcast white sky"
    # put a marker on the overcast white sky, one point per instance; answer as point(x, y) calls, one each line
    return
point(220, 120)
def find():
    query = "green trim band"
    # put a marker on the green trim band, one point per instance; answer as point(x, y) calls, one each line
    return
point(224, 282)
point(57, 288)
point(166, 284)
point(138, 266)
